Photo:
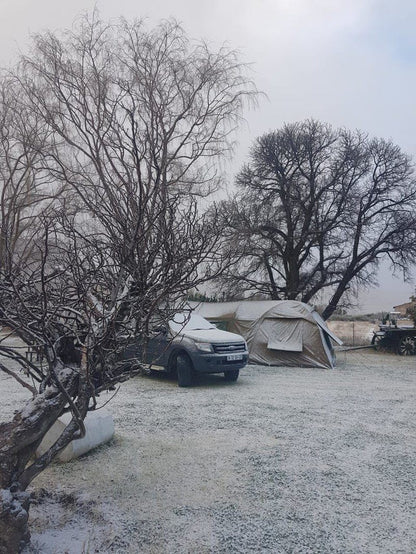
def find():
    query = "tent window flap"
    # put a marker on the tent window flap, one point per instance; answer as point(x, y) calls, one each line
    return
point(288, 346)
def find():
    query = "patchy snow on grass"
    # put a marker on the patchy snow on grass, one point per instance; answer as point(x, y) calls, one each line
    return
point(284, 460)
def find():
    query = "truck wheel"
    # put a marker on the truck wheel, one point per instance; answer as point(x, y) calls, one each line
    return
point(231, 375)
point(184, 369)
point(407, 346)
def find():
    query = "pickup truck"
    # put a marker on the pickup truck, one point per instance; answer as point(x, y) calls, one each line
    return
point(190, 344)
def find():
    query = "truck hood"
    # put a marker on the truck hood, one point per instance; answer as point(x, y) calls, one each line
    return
point(212, 335)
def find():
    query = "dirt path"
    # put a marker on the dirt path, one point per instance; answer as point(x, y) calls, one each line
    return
point(284, 460)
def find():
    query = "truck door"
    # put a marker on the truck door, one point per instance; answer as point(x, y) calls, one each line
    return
point(156, 352)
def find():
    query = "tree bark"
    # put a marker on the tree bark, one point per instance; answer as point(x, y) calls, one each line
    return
point(14, 515)
point(336, 297)
point(19, 440)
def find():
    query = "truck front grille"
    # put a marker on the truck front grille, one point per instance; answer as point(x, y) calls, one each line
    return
point(229, 348)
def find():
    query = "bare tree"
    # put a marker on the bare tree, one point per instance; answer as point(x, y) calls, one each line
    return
point(317, 208)
point(136, 121)
point(25, 187)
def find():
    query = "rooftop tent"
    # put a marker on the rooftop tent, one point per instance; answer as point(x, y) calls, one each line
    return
point(278, 332)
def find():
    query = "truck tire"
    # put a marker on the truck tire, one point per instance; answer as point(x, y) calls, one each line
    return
point(184, 369)
point(231, 375)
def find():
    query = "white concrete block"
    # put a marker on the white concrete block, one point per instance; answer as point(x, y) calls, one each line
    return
point(99, 427)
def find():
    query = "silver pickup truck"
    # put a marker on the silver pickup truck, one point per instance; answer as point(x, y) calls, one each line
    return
point(190, 344)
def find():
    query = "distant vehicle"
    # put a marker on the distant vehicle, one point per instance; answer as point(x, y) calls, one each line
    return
point(400, 339)
point(190, 344)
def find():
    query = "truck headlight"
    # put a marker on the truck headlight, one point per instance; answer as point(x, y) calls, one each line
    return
point(203, 346)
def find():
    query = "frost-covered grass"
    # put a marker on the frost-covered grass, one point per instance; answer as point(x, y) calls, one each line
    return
point(284, 460)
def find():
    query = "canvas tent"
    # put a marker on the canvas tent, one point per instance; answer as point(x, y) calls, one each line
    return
point(283, 332)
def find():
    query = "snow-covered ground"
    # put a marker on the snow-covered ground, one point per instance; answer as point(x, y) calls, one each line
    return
point(284, 460)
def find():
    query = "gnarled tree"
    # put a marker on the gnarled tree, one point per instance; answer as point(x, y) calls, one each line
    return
point(135, 121)
point(316, 210)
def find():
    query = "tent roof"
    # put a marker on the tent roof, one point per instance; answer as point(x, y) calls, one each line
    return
point(222, 310)
point(252, 310)
point(290, 309)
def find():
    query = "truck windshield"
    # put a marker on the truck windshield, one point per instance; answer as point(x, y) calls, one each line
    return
point(189, 322)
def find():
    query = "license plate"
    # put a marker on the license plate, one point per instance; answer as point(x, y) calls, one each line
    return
point(232, 357)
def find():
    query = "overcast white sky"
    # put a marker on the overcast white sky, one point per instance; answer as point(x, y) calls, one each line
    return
point(350, 63)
